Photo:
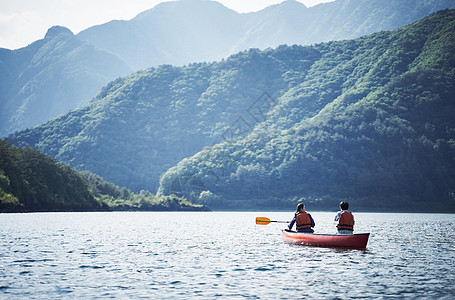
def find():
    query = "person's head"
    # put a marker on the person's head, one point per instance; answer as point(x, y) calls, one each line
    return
point(344, 205)
point(300, 207)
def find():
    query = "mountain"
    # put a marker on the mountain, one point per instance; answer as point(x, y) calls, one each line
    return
point(177, 32)
point(31, 181)
point(51, 77)
point(63, 71)
point(372, 123)
point(369, 119)
point(141, 125)
point(348, 19)
point(187, 31)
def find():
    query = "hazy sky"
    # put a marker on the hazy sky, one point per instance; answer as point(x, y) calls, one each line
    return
point(25, 21)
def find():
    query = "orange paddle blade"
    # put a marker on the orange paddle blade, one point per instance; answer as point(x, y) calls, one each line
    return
point(262, 221)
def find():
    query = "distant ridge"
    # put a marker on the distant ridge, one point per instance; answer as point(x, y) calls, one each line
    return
point(182, 32)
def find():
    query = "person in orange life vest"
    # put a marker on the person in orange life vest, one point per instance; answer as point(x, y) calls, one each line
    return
point(345, 219)
point(302, 219)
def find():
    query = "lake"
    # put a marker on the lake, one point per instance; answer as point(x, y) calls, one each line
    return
point(170, 255)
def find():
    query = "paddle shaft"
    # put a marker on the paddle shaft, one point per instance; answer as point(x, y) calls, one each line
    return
point(265, 221)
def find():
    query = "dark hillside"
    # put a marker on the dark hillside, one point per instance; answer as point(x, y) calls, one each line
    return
point(32, 182)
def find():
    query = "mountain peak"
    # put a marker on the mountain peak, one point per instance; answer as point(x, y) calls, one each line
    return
point(185, 6)
point(291, 4)
point(57, 30)
point(286, 7)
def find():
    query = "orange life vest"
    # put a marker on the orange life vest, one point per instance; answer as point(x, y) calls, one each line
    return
point(303, 221)
point(346, 221)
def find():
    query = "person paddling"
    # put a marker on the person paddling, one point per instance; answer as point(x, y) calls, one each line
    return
point(345, 219)
point(303, 220)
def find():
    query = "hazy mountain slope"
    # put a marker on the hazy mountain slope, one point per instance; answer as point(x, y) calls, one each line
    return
point(345, 117)
point(182, 32)
point(349, 19)
point(50, 77)
point(176, 32)
point(275, 25)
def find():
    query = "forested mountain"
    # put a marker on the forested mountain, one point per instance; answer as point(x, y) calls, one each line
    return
point(373, 122)
point(51, 77)
point(63, 71)
point(369, 119)
point(32, 181)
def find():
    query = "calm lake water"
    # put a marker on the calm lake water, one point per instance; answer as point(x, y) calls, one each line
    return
point(170, 255)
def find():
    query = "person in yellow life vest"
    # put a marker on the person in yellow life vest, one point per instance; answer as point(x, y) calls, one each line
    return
point(303, 220)
point(345, 219)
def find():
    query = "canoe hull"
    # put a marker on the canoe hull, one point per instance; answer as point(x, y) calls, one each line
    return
point(353, 241)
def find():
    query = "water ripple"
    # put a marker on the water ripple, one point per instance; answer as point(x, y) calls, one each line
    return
point(147, 255)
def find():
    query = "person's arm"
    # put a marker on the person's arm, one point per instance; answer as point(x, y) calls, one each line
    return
point(337, 217)
point(292, 223)
point(312, 221)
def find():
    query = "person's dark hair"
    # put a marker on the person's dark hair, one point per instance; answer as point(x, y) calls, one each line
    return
point(299, 207)
point(344, 205)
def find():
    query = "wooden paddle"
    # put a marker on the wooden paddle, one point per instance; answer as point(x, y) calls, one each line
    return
point(266, 221)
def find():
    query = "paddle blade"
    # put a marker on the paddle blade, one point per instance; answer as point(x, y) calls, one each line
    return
point(262, 221)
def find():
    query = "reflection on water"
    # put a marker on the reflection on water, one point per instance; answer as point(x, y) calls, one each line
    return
point(172, 255)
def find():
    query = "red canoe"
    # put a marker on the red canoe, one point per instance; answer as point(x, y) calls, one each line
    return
point(353, 241)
